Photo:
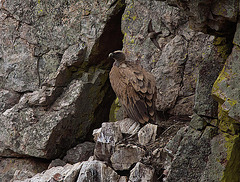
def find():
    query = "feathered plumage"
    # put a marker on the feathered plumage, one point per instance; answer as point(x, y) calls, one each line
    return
point(135, 88)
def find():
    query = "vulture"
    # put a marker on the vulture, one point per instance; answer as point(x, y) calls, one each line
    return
point(134, 87)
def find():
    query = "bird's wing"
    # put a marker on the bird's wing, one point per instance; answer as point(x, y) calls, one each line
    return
point(150, 28)
point(136, 91)
point(155, 42)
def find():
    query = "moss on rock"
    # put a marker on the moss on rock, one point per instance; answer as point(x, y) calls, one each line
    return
point(114, 109)
point(232, 170)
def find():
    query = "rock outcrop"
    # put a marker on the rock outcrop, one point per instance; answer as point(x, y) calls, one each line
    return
point(54, 73)
point(55, 92)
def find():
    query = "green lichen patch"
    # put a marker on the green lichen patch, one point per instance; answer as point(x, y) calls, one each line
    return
point(219, 41)
point(217, 94)
point(223, 46)
point(232, 170)
point(114, 109)
point(226, 124)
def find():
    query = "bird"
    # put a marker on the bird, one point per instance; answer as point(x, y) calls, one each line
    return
point(134, 87)
point(153, 35)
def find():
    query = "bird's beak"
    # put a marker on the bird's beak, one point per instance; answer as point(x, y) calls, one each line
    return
point(110, 55)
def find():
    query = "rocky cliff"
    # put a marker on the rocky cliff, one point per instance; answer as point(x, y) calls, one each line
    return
point(55, 91)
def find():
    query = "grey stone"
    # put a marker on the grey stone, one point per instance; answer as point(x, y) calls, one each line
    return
point(197, 122)
point(123, 179)
point(18, 65)
point(192, 153)
point(20, 169)
point(134, 26)
point(125, 156)
point(51, 52)
point(216, 160)
point(175, 66)
point(211, 66)
point(48, 65)
point(80, 153)
point(8, 99)
point(183, 106)
point(128, 126)
point(174, 54)
point(227, 9)
point(106, 139)
point(209, 15)
point(147, 134)
point(20, 175)
point(68, 173)
point(226, 88)
point(97, 171)
point(142, 173)
point(24, 139)
point(236, 39)
point(57, 162)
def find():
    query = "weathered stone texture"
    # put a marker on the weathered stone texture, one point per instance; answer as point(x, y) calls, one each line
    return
point(106, 139)
point(80, 153)
point(125, 156)
point(97, 171)
point(147, 134)
point(226, 88)
point(54, 89)
point(180, 63)
point(190, 156)
point(51, 53)
point(210, 16)
point(68, 173)
point(142, 173)
point(20, 169)
point(8, 99)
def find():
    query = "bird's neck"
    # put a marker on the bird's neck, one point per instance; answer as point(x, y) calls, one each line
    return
point(118, 63)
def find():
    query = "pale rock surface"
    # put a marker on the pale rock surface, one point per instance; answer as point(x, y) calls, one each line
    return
point(97, 171)
point(67, 173)
point(50, 54)
point(125, 156)
point(142, 173)
point(147, 134)
point(20, 169)
point(128, 126)
point(123, 179)
point(106, 138)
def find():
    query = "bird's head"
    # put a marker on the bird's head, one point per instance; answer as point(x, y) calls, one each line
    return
point(118, 56)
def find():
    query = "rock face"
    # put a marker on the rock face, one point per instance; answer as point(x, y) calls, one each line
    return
point(106, 139)
point(125, 156)
point(68, 173)
point(193, 151)
point(181, 66)
point(210, 16)
point(54, 70)
point(97, 171)
point(80, 153)
point(147, 134)
point(20, 169)
point(142, 173)
point(54, 91)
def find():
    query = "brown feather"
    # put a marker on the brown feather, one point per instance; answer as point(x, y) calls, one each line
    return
point(149, 96)
point(151, 112)
point(149, 103)
point(135, 88)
